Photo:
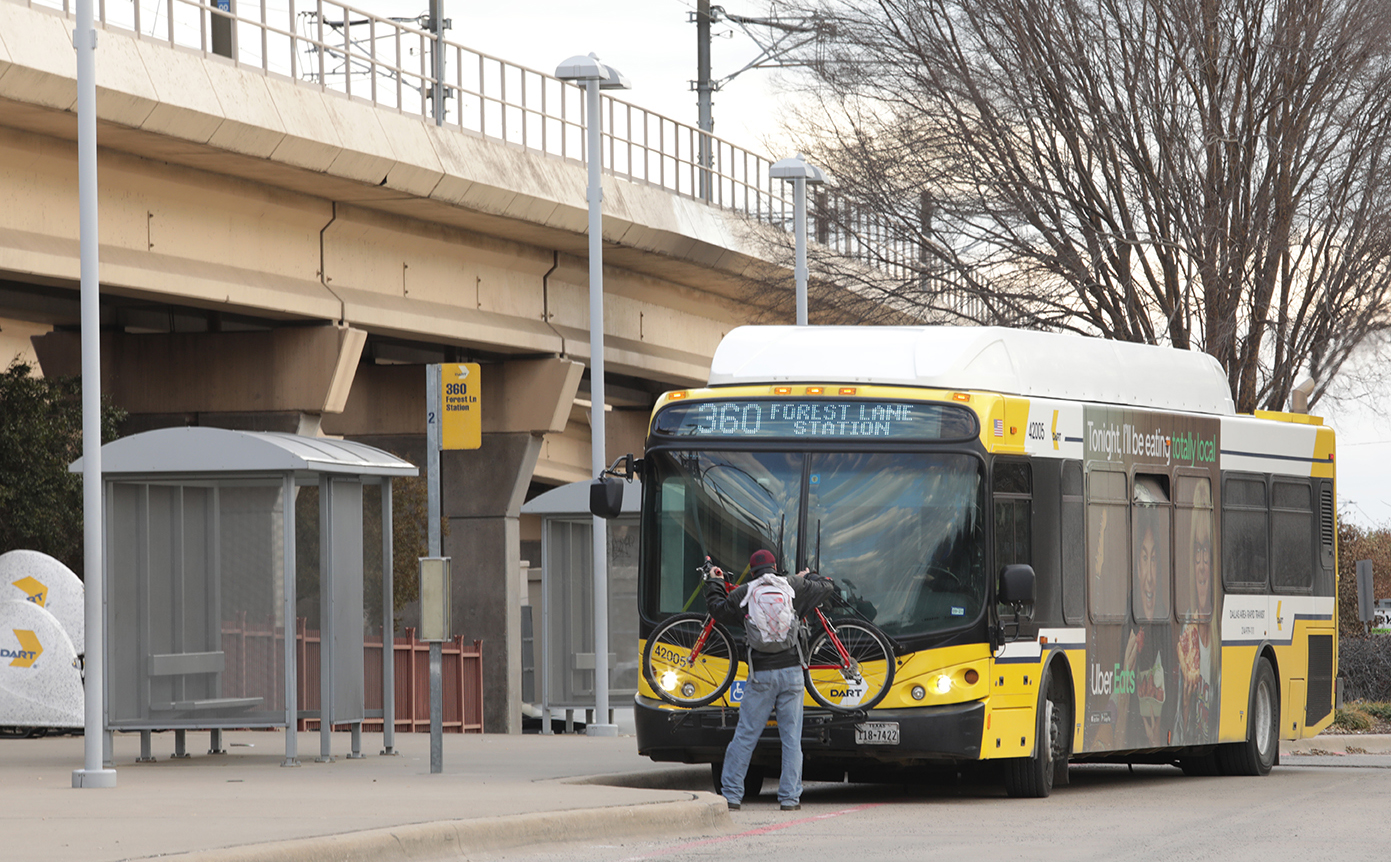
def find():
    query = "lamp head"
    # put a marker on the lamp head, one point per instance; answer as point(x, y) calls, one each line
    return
point(795, 168)
point(581, 68)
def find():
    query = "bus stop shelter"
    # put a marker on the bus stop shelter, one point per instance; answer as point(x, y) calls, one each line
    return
point(200, 582)
point(567, 598)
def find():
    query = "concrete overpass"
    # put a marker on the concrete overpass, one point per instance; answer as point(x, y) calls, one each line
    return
point(278, 254)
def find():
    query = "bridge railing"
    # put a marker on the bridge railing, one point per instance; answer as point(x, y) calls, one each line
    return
point(388, 62)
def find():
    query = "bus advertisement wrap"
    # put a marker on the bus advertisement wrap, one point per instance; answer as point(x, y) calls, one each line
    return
point(1153, 656)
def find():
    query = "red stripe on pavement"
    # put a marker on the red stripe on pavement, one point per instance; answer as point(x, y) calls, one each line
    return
point(762, 830)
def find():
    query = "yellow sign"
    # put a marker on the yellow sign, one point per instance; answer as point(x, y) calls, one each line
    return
point(33, 590)
point(29, 649)
point(461, 398)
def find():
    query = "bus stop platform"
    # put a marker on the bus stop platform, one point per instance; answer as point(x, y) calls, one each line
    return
point(496, 791)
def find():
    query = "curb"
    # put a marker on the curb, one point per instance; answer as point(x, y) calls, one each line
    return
point(686, 777)
point(1339, 743)
point(457, 839)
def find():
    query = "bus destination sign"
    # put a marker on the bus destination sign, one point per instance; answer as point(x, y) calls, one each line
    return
point(775, 419)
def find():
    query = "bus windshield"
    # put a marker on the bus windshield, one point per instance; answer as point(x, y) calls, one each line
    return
point(901, 532)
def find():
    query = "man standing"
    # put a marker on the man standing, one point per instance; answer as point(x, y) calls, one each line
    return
point(774, 685)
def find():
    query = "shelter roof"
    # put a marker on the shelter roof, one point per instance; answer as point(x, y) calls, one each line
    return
point(195, 450)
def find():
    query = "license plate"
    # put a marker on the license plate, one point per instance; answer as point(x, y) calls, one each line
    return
point(876, 733)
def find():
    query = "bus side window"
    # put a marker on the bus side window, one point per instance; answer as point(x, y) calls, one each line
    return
point(1193, 594)
point(1073, 544)
point(1108, 552)
point(1013, 496)
point(1245, 534)
point(1292, 530)
point(1150, 591)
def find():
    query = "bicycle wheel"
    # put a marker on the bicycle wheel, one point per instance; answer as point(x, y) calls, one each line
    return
point(860, 684)
point(674, 675)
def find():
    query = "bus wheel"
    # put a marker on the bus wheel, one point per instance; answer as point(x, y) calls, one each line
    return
point(1257, 754)
point(1034, 776)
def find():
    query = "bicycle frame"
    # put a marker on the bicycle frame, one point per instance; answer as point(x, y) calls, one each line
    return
point(845, 661)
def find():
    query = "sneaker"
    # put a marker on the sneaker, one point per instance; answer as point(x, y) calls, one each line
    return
point(792, 806)
point(733, 806)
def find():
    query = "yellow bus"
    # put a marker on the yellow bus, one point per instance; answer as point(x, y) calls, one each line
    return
point(1178, 604)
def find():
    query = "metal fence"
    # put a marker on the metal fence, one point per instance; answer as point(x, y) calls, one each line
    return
point(389, 62)
point(252, 648)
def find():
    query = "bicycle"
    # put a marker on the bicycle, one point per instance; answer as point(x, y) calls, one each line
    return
point(690, 659)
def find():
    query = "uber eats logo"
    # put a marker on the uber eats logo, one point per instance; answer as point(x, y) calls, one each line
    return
point(28, 651)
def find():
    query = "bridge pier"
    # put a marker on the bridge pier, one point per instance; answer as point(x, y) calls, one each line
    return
point(482, 493)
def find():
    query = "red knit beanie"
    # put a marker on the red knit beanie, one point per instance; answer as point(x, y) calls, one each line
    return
point(762, 560)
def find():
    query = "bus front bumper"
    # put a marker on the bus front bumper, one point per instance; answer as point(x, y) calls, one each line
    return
point(929, 733)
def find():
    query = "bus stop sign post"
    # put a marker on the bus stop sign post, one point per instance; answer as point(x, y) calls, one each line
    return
point(453, 420)
point(435, 628)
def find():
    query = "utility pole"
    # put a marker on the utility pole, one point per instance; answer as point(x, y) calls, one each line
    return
point(704, 88)
point(438, 92)
point(791, 36)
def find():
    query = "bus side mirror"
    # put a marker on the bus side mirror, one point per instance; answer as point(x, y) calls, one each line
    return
point(1016, 585)
point(606, 497)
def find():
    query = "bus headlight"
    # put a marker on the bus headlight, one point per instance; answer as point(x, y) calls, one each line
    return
point(918, 692)
point(942, 684)
point(669, 681)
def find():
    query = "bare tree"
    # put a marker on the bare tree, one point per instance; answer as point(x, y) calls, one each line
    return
point(1214, 175)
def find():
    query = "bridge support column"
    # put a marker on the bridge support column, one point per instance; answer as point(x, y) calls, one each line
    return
point(482, 493)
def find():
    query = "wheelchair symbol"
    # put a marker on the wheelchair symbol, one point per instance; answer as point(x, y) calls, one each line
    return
point(736, 691)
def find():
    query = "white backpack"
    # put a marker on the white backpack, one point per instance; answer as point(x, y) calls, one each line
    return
point(771, 624)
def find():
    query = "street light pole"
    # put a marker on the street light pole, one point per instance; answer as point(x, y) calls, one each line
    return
point(594, 76)
point(800, 173)
point(94, 732)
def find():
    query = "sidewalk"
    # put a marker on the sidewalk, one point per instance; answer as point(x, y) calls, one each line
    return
point(495, 791)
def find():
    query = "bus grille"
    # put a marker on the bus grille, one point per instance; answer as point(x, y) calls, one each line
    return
point(1320, 689)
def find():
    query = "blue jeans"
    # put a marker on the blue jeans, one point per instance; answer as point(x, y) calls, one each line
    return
point(767, 690)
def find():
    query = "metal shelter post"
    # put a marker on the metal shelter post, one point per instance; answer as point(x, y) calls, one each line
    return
point(290, 627)
point(545, 636)
point(388, 626)
point(325, 620)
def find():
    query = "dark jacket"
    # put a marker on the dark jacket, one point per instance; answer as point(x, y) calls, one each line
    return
point(725, 608)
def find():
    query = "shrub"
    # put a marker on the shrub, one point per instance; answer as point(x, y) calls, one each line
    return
point(1351, 718)
point(40, 434)
point(1381, 711)
point(1357, 543)
point(1364, 663)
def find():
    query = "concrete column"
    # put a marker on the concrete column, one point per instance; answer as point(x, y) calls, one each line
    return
point(483, 494)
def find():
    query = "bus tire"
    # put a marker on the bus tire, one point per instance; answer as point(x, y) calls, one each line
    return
point(1035, 775)
point(1259, 752)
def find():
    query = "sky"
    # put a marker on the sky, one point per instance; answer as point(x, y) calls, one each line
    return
point(654, 45)
point(649, 41)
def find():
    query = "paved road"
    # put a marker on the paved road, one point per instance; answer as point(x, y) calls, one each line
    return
point(1311, 807)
